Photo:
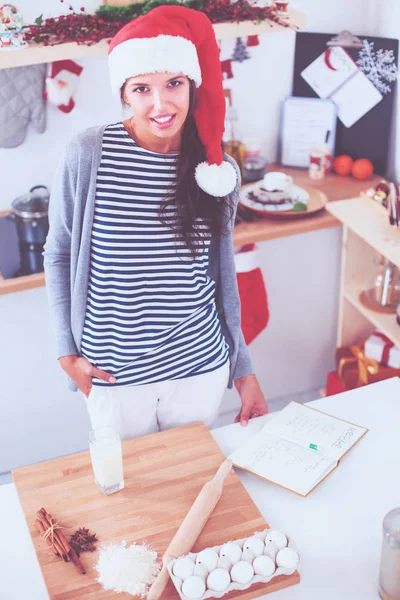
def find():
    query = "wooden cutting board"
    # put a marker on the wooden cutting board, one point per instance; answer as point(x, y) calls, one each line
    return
point(164, 473)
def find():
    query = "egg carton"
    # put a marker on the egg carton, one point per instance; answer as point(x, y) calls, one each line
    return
point(177, 581)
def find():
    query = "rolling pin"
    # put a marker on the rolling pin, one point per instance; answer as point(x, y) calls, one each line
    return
point(190, 528)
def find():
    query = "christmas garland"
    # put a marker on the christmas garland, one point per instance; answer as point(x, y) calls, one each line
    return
point(107, 20)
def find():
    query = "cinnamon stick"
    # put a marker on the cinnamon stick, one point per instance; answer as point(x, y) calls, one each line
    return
point(58, 551)
point(46, 517)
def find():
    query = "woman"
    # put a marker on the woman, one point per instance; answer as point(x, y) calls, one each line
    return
point(139, 259)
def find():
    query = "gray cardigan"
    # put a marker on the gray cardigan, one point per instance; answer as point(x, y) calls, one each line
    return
point(67, 254)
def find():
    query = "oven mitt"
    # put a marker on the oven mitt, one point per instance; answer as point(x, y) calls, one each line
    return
point(21, 102)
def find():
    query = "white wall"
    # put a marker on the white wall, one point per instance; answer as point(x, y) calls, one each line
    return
point(301, 272)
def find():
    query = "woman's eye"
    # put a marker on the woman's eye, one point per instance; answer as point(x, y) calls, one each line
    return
point(140, 89)
point(175, 83)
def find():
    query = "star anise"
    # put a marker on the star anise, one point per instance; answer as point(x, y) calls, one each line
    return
point(83, 541)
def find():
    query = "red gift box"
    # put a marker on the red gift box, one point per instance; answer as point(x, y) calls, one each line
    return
point(334, 385)
point(354, 369)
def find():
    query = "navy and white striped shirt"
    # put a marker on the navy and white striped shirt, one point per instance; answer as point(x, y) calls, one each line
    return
point(151, 312)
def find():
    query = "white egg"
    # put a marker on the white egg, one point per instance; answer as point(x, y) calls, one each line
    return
point(193, 587)
point(271, 549)
point(232, 551)
point(218, 580)
point(201, 571)
point(183, 567)
point(255, 544)
point(279, 538)
point(264, 565)
point(242, 572)
point(288, 558)
point(224, 562)
point(208, 558)
point(248, 555)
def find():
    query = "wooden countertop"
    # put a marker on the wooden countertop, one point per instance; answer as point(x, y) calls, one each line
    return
point(334, 186)
point(164, 473)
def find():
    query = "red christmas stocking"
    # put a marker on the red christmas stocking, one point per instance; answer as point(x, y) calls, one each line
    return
point(226, 68)
point(61, 84)
point(253, 295)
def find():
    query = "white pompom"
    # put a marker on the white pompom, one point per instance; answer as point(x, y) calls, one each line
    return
point(216, 180)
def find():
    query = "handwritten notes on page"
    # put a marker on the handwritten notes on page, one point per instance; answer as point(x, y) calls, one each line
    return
point(283, 462)
point(306, 426)
point(298, 447)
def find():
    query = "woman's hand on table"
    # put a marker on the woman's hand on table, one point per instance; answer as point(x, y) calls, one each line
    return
point(253, 401)
point(82, 371)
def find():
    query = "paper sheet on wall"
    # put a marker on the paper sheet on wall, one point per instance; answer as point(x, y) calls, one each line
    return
point(355, 99)
point(335, 75)
point(305, 123)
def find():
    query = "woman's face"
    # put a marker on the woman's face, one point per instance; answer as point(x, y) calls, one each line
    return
point(159, 102)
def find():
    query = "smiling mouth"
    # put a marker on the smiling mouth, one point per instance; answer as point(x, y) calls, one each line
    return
point(164, 122)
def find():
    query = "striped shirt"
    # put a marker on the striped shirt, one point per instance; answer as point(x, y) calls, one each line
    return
point(151, 313)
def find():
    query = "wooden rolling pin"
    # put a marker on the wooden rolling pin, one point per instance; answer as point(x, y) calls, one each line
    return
point(190, 529)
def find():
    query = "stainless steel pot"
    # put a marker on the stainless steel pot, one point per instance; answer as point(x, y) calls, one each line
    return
point(31, 215)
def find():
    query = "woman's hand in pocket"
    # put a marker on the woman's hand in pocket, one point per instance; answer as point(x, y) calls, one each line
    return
point(82, 371)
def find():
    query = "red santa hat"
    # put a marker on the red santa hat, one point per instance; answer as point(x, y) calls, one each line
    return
point(176, 39)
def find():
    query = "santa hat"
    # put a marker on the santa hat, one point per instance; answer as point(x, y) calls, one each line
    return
point(176, 39)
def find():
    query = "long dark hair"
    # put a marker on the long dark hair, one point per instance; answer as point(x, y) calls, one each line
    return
point(190, 201)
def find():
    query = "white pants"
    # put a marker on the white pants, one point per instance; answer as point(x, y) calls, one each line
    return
point(137, 410)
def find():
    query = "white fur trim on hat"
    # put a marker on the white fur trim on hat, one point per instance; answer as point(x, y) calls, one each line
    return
point(216, 180)
point(161, 54)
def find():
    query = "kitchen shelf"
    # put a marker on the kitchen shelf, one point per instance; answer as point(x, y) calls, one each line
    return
point(366, 232)
point(385, 323)
point(370, 221)
point(37, 53)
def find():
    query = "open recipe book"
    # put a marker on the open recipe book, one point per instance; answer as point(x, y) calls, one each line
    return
point(298, 447)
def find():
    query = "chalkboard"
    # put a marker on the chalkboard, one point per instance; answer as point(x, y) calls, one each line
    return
point(369, 137)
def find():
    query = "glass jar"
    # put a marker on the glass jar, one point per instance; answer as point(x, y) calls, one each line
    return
point(386, 290)
point(389, 574)
point(231, 142)
point(254, 165)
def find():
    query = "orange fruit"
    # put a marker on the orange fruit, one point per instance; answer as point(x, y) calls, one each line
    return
point(343, 164)
point(362, 168)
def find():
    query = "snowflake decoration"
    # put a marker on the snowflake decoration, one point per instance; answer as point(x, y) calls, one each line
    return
point(378, 66)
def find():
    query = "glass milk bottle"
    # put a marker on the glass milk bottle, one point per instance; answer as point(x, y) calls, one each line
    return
point(106, 454)
point(389, 575)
